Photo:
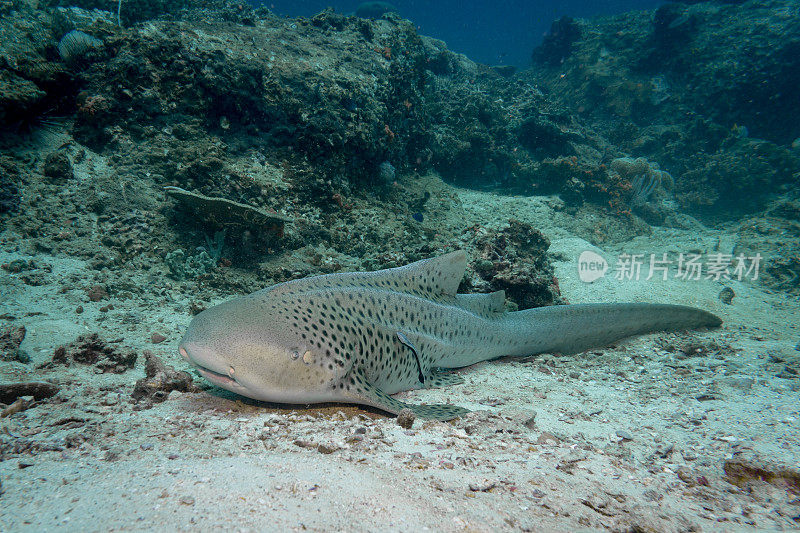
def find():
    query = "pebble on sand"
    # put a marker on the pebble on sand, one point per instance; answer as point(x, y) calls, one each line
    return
point(405, 418)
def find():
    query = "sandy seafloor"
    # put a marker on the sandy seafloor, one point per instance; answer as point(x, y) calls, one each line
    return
point(630, 437)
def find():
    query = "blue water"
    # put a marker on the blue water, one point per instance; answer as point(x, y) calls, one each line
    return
point(492, 32)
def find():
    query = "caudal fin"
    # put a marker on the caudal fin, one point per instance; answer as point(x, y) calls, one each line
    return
point(579, 327)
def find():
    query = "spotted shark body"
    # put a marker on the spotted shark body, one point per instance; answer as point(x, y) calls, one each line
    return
point(360, 337)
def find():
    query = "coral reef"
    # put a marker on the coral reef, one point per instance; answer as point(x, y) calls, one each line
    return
point(132, 11)
point(75, 44)
point(650, 188)
point(250, 229)
point(428, 108)
point(222, 212)
point(678, 87)
point(30, 84)
point(386, 173)
point(184, 267)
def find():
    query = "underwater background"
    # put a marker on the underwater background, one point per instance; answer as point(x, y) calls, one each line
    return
point(160, 157)
point(501, 32)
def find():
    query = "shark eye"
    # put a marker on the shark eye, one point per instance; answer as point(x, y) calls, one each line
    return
point(295, 355)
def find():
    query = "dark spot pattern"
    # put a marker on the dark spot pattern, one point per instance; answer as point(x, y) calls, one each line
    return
point(352, 320)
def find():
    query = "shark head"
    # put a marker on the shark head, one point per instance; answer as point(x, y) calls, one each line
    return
point(244, 345)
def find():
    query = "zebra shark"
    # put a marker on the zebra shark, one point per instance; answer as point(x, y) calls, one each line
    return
point(360, 337)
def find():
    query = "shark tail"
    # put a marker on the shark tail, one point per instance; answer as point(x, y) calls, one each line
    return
point(575, 328)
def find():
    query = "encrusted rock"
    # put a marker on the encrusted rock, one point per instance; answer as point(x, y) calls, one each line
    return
point(96, 293)
point(160, 380)
point(327, 448)
point(405, 418)
point(515, 260)
point(39, 390)
point(58, 167)
point(746, 471)
point(10, 340)
point(93, 350)
point(726, 295)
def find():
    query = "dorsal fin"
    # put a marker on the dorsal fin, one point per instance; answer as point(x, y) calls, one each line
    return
point(435, 278)
point(483, 304)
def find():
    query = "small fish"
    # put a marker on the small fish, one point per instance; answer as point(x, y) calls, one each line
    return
point(359, 337)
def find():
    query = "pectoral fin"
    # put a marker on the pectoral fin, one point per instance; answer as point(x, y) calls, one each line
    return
point(434, 378)
point(404, 339)
point(364, 392)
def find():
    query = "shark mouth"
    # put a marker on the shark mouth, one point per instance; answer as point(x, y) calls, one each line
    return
point(221, 380)
point(226, 381)
point(215, 377)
